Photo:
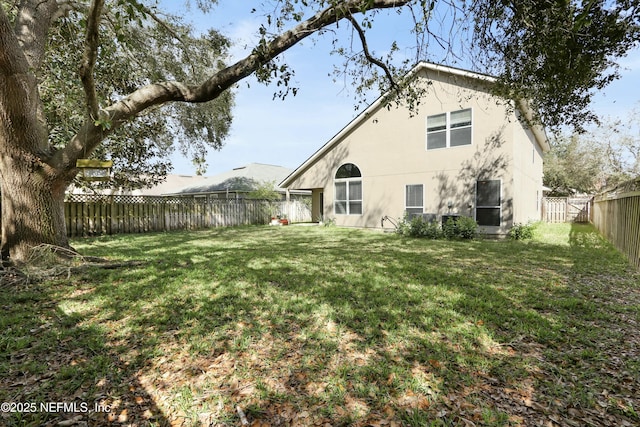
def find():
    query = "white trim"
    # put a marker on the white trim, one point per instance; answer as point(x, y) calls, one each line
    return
point(405, 197)
point(348, 200)
point(348, 182)
point(447, 130)
point(538, 131)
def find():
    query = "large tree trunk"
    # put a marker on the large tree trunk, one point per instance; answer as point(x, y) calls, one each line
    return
point(32, 185)
point(32, 210)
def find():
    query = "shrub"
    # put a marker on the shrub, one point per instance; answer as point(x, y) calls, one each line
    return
point(449, 228)
point(327, 222)
point(521, 231)
point(461, 228)
point(418, 227)
point(466, 228)
point(430, 229)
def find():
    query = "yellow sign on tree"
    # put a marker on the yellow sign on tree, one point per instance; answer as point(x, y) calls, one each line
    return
point(94, 170)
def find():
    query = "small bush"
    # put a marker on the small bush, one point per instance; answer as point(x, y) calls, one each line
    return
point(467, 228)
point(461, 228)
point(327, 222)
point(521, 231)
point(449, 229)
point(430, 230)
point(418, 227)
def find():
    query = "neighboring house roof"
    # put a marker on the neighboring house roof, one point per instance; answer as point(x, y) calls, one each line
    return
point(172, 183)
point(242, 179)
point(537, 130)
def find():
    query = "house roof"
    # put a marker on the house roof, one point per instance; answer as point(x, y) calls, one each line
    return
point(243, 178)
point(537, 130)
point(172, 183)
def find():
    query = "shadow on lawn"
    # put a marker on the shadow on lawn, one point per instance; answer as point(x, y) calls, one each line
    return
point(342, 327)
point(58, 369)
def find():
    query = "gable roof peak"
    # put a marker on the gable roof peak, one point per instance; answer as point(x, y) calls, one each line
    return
point(448, 69)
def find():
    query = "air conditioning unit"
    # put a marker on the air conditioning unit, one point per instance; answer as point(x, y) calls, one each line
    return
point(446, 218)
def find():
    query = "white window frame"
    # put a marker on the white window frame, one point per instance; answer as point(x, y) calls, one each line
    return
point(348, 200)
point(406, 205)
point(447, 129)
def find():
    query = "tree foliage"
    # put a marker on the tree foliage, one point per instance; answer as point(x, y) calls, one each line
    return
point(574, 165)
point(621, 141)
point(555, 53)
point(138, 46)
point(603, 156)
point(266, 190)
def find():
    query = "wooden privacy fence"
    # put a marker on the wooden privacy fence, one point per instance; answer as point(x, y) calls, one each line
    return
point(90, 215)
point(566, 209)
point(616, 214)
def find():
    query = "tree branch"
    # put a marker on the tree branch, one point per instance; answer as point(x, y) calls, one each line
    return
point(161, 22)
point(31, 27)
point(89, 58)
point(367, 54)
point(91, 135)
point(12, 59)
point(64, 7)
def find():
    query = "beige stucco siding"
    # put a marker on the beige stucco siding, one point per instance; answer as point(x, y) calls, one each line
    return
point(527, 175)
point(389, 148)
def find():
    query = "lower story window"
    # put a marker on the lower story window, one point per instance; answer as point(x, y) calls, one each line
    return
point(414, 199)
point(348, 200)
point(488, 210)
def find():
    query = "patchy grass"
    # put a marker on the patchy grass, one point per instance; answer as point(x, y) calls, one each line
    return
point(327, 326)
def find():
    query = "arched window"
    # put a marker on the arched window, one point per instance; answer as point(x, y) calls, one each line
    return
point(348, 190)
point(348, 170)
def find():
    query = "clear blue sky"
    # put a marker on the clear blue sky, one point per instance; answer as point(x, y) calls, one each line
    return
point(286, 133)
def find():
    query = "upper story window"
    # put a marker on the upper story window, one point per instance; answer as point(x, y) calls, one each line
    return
point(348, 190)
point(449, 129)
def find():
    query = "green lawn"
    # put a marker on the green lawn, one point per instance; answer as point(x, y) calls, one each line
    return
point(326, 326)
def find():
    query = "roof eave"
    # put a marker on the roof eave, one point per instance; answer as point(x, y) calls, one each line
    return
point(536, 128)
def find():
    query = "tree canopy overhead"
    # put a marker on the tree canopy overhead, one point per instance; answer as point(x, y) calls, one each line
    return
point(138, 45)
point(555, 52)
point(123, 78)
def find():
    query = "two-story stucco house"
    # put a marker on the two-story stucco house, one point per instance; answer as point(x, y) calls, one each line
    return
point(463, 152)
